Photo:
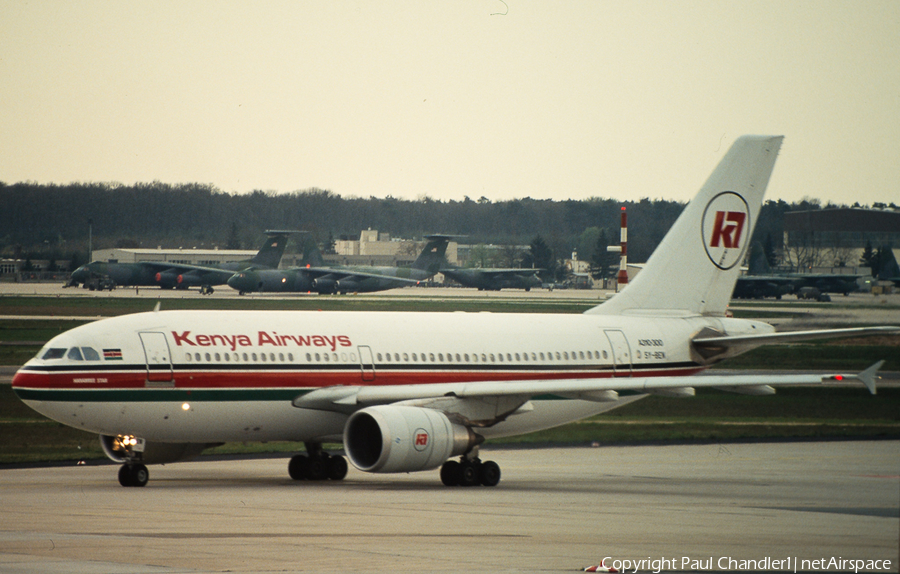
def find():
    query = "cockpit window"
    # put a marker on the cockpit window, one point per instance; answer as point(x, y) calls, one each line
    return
point(53, 354)
point(74, 354)
point(90, 354)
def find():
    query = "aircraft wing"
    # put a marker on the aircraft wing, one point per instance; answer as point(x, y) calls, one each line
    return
point(339, 274)
point(522, 272)
point(443, 395)
point(184, 268)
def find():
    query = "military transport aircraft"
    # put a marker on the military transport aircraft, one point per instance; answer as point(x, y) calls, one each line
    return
point(407, 392)
point(318, 278)
point(494, 279)
point(167, 275)
point(762, 281)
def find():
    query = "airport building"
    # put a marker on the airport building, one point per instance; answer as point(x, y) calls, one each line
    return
point(183, 256)
point(834, 239)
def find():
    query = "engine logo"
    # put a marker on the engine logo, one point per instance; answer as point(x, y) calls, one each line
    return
point(421, 442)
point(725, 226)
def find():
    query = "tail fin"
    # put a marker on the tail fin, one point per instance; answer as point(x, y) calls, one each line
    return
point(757, 263)
point(889, 268)
point(269, 255)
point(695, 267)
point(312, 257)
point(432, 256)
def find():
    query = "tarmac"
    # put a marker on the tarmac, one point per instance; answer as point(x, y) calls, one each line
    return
point(555, 510)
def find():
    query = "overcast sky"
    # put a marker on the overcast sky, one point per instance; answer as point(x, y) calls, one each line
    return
point(502, 99)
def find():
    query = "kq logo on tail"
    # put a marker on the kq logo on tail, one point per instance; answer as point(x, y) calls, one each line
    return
point(725, 221)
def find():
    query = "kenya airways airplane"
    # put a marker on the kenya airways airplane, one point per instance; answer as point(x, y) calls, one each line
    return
point(410, 391)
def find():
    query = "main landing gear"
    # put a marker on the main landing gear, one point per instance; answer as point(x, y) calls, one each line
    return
point(133, 475)
point(470, 472)
point(317, 464)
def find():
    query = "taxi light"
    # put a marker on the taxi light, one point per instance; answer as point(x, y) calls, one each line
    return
point(185, 407)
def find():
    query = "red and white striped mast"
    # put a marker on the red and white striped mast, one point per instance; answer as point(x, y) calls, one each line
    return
point(622, 277)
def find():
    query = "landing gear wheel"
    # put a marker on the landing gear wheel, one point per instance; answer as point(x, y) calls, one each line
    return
point(337, 467)
point(468, 473)
point(490, 473)
point(297, 467)
point(450, 473)
point(133, 475)
point(317, 468)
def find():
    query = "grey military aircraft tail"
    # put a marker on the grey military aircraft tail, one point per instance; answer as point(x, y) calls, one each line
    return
point(167, 275)
point(323, 279)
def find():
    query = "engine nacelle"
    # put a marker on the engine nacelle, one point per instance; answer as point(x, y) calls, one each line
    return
point(128, 449)
point(392, 438)
point(166, 279)
point(346, 285)
point(323, 285)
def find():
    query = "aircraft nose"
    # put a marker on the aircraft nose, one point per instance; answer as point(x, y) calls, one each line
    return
point(241, 281)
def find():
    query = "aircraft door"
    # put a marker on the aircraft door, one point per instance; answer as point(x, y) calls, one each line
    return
point(159, 361)
point(367, 363)
point(621, 351)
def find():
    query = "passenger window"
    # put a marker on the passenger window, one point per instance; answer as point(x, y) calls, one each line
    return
point(431, 357)
point(51, 354)
point(90, 354)
point(378, 356)
point(308, 358)
point(218, 358)
point(74, 354)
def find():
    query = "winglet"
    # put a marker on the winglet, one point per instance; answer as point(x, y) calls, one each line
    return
point(868, 376)
point(156, 308)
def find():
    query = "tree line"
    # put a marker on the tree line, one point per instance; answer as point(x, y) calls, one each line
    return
point(50, 221)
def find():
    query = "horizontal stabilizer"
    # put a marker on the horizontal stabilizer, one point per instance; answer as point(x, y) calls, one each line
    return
point(767, 338)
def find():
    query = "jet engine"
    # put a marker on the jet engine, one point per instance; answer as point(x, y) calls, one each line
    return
point(346, 285)
point(324, 285)
point(167, 279)
point(127, 449)
point(390, 438)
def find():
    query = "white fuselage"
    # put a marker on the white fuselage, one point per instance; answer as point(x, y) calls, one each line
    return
point(211, 376)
